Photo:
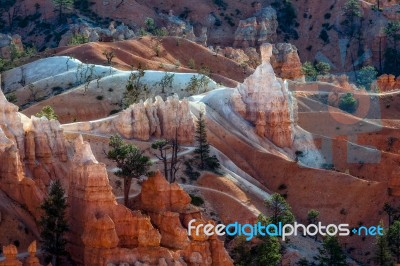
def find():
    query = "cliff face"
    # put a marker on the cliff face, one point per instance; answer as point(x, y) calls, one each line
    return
point(157, 119)
point(103, 231)
point(145, 120)
point(266, 102)
point(255, 30)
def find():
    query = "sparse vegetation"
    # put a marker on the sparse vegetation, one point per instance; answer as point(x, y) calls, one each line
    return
point(47, 112)
point(196, 200)
point(348, 103)
point(312, 71)
point(134, 88)
point(366, 76)
point(78, 39)
point(109, 56)
point(166, 81)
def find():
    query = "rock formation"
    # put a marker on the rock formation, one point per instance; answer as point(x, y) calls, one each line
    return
point(266, 102)
point(386, 83)
point(180, 28)
point(286, 62)
point(8, 43)
point(103, 231)
point(10, 253)
point(259, 28)
point(157, 119)
point(144, 120)
point(112, 33)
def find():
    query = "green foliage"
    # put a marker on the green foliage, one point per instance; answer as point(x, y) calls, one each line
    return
point(134, 88)
point(12, 98)
point(206, 162)
point(331, 254)
point(130, 161)
point(268, 252)
point(150, 24)
point(312, 71)
point(286, 15)
point(166, 81)
point(197, 84)
point(53, 224)
point(196, 200)
point(323, 35)
point(392, 54)
point(191, 63)
point(279, 209)
point(189, 170)
point(348, 103)
point(303, 262)
point(393, 237)
point(78, 39)
point(61, 6)
point(221, 3)
point(383, 256)
point(312, 216)
point(352, 11)
point(323, 68)
point(47, 112)
point(392, 59)
point(366, 76)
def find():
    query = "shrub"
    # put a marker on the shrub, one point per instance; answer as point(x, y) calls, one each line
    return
point(366, 76)
point(348, 103)
point(196, 200)
point(324, 36)
point(99, 97)
point(78, 39)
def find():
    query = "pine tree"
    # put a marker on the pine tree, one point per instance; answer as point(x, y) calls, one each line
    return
point(393, 237)
point(269, 252)
point(47, 112)
point(280, 210)
point(331, 254)
point(203, 148)
point(382, 255)
point(130, 161)
point(53, 224)
point(61, 6)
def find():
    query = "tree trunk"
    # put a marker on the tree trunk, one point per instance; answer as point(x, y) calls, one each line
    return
point(127, 188)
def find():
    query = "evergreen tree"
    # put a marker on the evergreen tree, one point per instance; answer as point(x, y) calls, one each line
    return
point(366, 76)
point(203, 148)
point(331, 254)
point(312, 217)
point(382, 255)
point(393, 237)
point(280, 210)
point(53, 224)
point(62, 6)
point(47, 112)
point(130, 161)
point(352, 10)
point(269, 252)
